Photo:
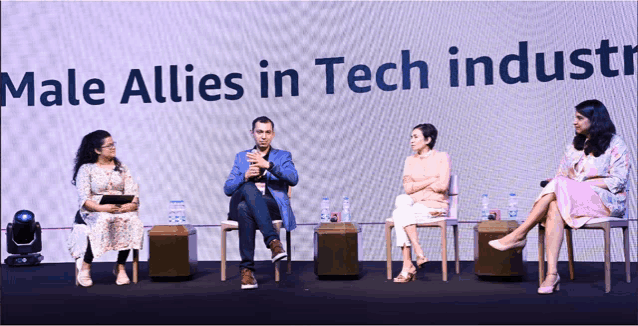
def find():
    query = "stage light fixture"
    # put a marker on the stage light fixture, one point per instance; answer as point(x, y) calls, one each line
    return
point(24, 240)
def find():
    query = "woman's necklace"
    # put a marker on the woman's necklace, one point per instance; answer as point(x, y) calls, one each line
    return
point(426, 154)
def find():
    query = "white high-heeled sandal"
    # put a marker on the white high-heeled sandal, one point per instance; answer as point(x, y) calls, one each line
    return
point(405, 277)
point(420, 261)
point(550, 289)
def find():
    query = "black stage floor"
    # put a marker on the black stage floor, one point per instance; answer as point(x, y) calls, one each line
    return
point(47, 294)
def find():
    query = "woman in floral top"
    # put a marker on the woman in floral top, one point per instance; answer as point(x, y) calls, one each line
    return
point(108, 227)
point(591, 182)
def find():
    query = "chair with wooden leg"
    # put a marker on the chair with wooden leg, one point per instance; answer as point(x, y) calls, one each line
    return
point(440, 222)
point(603, 223)
point(230, 225)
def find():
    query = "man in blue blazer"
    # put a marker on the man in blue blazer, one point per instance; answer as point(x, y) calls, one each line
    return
point(258, 185)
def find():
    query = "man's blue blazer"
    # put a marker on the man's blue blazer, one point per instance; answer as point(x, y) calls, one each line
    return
point(280, 177)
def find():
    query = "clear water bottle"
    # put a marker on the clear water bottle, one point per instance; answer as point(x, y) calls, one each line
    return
point(345, 211)
point(181, 212)
point(325, 210)
point(485, 204)
point(512, 207)
point(173, 212)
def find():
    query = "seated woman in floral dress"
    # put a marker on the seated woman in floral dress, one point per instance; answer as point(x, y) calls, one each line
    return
point(106, 227)
point(591, 182)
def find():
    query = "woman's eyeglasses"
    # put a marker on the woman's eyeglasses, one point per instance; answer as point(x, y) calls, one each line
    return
point(110, 146)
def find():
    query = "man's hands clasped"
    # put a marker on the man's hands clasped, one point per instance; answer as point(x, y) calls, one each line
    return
point(257, 162)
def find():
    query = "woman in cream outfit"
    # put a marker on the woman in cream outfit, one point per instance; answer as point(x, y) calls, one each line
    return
point(591, 182)
point(426, 177)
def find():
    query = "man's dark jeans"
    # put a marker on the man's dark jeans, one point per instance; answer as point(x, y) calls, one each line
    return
point(253, 211)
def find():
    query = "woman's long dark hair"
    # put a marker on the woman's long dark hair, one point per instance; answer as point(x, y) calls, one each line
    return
point(601, 131)
point(86, 153)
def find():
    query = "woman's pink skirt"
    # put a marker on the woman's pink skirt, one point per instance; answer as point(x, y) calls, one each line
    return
point(577, 201)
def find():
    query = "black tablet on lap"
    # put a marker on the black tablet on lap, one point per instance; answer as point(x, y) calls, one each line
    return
point(116, 199)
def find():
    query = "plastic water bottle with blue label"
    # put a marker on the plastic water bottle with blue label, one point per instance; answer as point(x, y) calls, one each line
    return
point(181, 212)
point(172, 212)
point(485, 204)
point(512, 206)
point(325, 210)
point(345, 211)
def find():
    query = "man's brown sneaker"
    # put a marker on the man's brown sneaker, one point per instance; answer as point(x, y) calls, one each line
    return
point(248, 280)
point(278, 252)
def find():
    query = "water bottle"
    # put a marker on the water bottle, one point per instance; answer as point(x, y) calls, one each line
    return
point(485, 210)
point(345, 211)
point(512, 205)
point(172, 212)
point(325, 210)
point(181, 212)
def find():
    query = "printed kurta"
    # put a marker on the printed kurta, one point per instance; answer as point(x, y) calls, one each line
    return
point(579, 201)
point(106, 231)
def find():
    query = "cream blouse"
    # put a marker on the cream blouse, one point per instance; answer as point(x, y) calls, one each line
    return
point(426, 178)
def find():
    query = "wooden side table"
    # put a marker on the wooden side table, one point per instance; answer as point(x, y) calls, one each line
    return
point(336, 249)
point(172, 251)
point(491, 262)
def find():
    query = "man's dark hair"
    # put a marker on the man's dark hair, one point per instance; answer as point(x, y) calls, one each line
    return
point(263, 119)
point(428, 130)
point(601, 131)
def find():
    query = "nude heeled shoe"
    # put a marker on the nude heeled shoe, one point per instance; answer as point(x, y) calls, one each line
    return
point(496, 244)
point(550, 289)
point(122, 278)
